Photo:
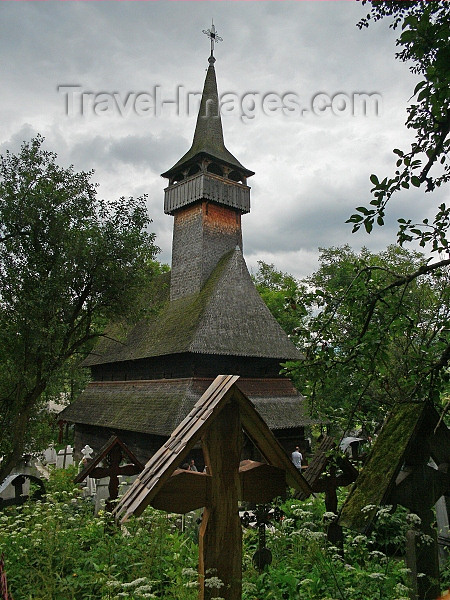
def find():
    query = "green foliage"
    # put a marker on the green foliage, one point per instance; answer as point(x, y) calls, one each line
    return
point(372, 332)
point(69, 262)
point(378, 336)
point(424, 43)
point(306, 566)
point(284, 295)
point(57, 550)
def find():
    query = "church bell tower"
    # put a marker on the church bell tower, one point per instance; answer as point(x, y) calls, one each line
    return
point(207, 195)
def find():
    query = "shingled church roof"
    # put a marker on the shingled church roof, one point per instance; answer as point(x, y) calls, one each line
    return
point(158, 406)
point(227, 317)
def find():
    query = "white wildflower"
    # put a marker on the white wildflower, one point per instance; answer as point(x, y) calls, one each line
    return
point(329, 516)
point(213, 582)
point(413, 519)
point(359, 539)
point(426, 539)
point(134, 583)
point(401, 589)
point(144, 588)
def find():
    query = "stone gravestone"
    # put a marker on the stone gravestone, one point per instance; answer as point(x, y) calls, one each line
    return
point(101, 494)
point(64, 457)
point(89, 484)
point(87, 453)
point(101, 491)
point(15, 489)
point(50, 455)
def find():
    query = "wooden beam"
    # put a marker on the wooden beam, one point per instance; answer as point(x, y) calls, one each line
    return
point(261, 482)
point(164, 462)
point(423, 558)
point(260, 434)
point(220, 537)
point(183, 491)
point(440, 444)
point(420, 489)
point(113, 441)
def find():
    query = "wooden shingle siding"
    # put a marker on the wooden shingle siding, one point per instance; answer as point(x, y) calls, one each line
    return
point(228, 317)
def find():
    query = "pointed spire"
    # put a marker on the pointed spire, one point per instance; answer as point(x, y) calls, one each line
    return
point(208, 136)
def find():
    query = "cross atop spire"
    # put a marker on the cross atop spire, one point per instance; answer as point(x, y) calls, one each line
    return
point(212, 34)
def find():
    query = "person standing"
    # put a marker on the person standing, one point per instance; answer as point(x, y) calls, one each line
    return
point(297, 458)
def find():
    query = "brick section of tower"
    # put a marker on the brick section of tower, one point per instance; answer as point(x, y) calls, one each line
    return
point(202, 234)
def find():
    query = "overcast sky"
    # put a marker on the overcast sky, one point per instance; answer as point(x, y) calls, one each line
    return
point(312, 170)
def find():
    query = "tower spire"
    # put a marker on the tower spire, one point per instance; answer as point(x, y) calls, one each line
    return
point(208, 136)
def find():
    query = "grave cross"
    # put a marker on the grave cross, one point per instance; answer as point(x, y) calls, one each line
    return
point(64, 457)
point(108, 463)
point(340, 473)
point(217, 420)
point(17, 480)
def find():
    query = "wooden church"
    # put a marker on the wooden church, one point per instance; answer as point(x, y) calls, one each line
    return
point(212, 319)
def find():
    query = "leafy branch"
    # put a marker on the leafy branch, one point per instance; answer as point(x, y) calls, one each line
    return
point(425, 44)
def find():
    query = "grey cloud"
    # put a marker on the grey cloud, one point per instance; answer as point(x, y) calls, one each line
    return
point(13, 144)
point(317, 170)
point(137, 150)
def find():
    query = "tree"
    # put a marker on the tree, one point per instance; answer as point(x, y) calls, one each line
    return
point(69, 262)
point(282, 294)
point(375, 336)
point(364, 352)
point(425, 44)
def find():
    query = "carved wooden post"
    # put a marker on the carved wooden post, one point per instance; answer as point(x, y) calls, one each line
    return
point(397, 472)
point(220, 542)
point(423, 558)
point(328, 483)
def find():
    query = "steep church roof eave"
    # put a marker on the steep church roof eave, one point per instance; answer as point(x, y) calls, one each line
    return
point(192, 156)
point(228, 317)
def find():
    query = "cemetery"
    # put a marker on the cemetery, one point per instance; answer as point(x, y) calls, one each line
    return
point(188, 465)
point(234, 560)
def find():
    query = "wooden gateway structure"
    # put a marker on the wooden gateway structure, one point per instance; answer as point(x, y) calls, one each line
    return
point(209, 317)
point(398, 472)
point(217, 421)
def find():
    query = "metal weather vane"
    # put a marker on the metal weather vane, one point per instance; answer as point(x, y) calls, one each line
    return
point(212, 34)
